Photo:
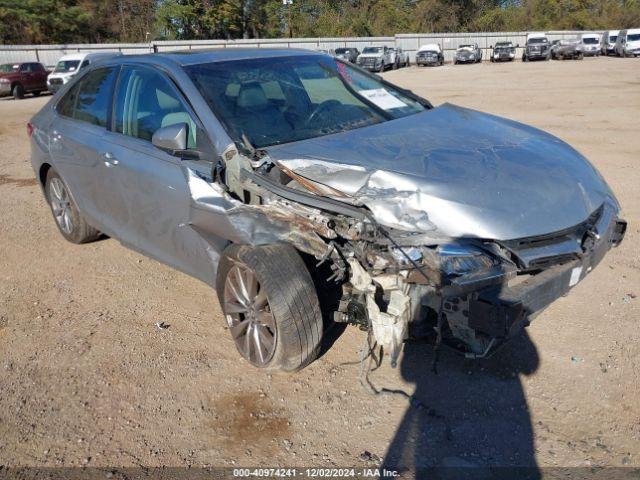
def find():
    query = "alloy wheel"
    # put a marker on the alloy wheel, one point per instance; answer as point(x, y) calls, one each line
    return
point(249, 315)
point(61, 205)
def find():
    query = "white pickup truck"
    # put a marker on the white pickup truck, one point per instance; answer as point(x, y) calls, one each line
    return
point(376, 59)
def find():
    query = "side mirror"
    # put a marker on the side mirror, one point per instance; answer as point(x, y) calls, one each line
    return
point(173, 140)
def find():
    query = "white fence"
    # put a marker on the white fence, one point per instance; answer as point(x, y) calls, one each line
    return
point(49, 54)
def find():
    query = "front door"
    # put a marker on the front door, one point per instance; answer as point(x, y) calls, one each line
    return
point(149, 193)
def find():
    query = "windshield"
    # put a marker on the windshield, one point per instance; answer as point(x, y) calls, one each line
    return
point(340, 51)
point(279, 100)
point(634, 37)
point(537, 40)
point(590, 41)
point(613, 38)
point(9, 67)
point(465, 46)
point(502, 45)
point(64, 66)
point(372, 50)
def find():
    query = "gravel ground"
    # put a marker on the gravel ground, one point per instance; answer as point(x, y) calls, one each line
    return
point(86, 378)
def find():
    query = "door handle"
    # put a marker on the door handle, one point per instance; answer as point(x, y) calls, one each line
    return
point(109, 159)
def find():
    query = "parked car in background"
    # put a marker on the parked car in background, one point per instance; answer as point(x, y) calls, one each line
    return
point(566, 49)
point(628, 43)
point(555, 44)
point(536, 48)
point(589, 44)
point(430, 54)
point(349, 54)
point(399, 57)
point(235, 166)
point(376, 59)
point(608, 42)
point(468, 54)
point(17, 79)
point(69, 65)
point(503, 52)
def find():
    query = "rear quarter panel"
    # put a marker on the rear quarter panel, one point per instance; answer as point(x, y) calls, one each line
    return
point(40, 139)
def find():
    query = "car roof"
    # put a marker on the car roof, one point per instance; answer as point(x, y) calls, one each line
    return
point(194, 57)
point(632, 31)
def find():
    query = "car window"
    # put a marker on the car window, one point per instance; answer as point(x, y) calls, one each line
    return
point(280, 100)
point(85, 63)
point(67, 104)
point(26, 67)
point(65, 66)
point(147, 101)
point(94, 96)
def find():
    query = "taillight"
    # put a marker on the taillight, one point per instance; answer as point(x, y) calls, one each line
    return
point(29, 129)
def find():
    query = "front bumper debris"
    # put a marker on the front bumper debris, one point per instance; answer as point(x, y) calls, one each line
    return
point(499, 312)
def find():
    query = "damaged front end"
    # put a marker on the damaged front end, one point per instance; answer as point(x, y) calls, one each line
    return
point(397, 271)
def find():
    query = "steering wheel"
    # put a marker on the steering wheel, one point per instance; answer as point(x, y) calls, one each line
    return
point(321, 109)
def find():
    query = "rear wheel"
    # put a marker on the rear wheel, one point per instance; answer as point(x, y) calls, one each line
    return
point(18, 91)
point(70, 222)
point(270, 305)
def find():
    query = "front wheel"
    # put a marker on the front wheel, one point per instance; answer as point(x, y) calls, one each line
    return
point(270, 305)
point(70, 222)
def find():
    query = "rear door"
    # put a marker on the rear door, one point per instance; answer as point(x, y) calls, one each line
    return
point(40, 74)
point(77, 143)
point(27, 76)
point(149, 195)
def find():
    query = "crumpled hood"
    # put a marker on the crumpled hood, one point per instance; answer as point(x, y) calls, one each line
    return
point(455, 172)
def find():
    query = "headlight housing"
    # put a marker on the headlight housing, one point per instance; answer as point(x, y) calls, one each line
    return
point(457, 259)
point(451, 260)
point(4, 80)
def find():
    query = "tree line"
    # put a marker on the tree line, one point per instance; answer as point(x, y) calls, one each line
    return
point(102, 21)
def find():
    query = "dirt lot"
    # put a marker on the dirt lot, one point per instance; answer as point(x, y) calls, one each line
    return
point(86, 378)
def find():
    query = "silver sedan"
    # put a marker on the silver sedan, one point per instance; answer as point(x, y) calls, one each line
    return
point(280, 177)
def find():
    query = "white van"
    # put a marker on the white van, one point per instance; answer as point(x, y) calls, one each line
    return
point(628, 43)
point(70, 65)
point(589, 44)
point(608, 42)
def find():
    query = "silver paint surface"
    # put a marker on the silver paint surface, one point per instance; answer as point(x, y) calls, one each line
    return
point(456, 172)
